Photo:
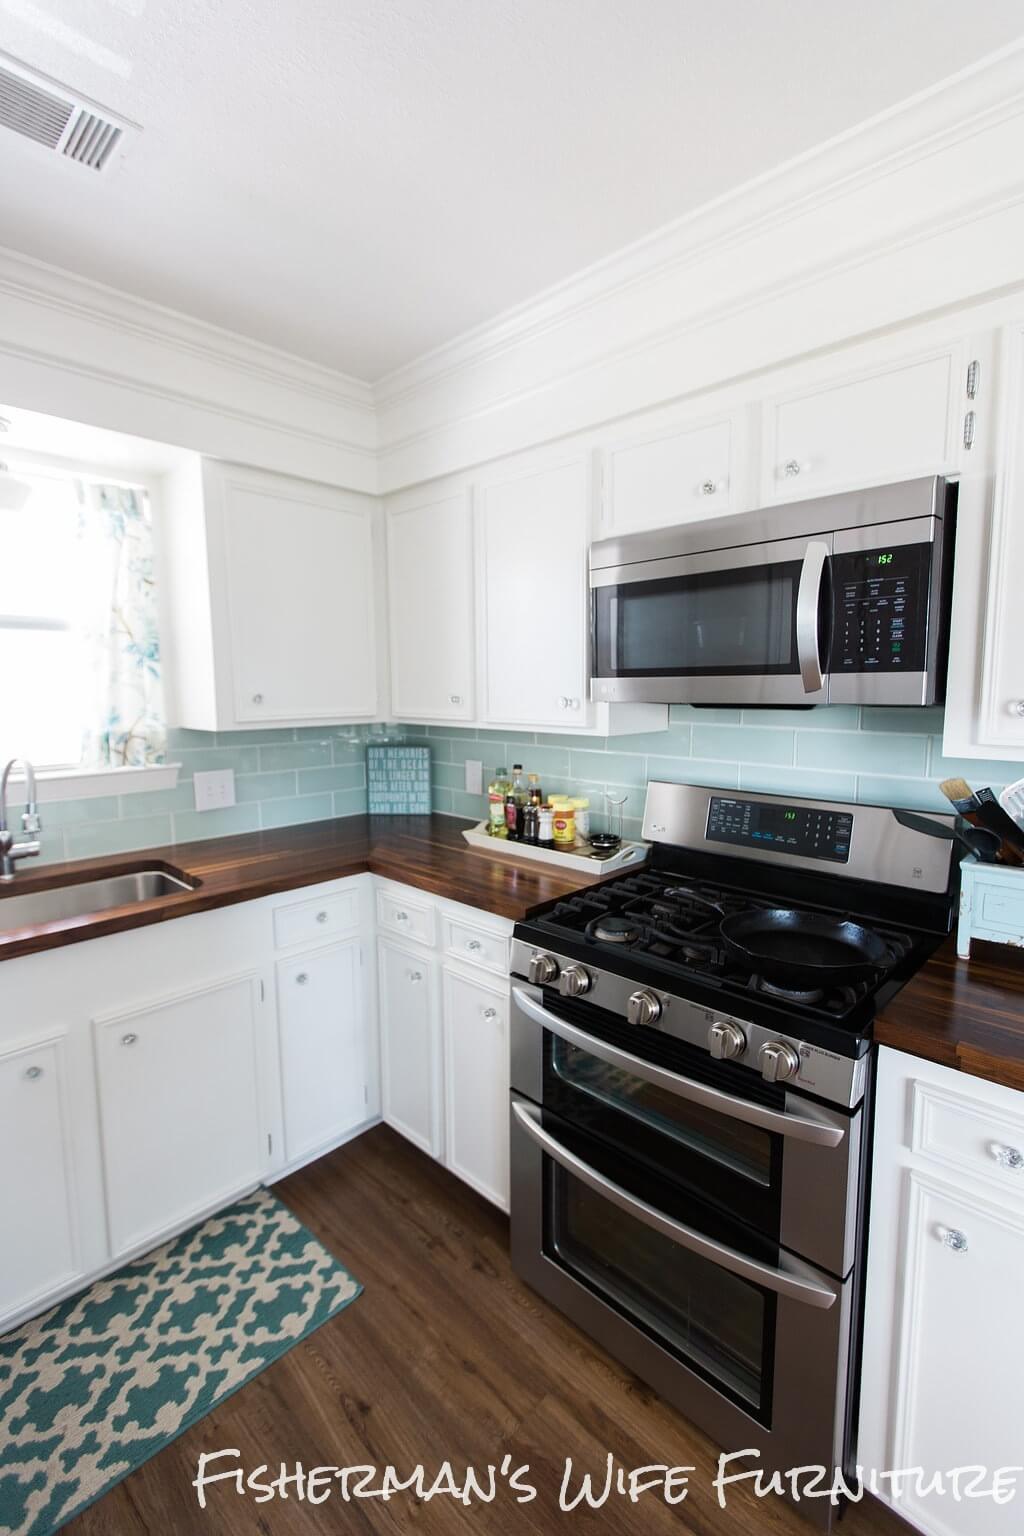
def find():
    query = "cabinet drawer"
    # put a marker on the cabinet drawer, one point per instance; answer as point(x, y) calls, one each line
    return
point(476, 946)
point(302, 922)
point(968, 1136)
point(409, 919)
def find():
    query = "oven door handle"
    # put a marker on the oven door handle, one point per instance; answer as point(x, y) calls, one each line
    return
point(797, 1127)
point(808, 606)
point(797, 1287)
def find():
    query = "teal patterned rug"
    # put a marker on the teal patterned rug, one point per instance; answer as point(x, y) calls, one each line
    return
point(100, 1383)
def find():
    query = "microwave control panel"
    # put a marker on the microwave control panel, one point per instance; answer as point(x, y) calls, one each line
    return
point(880, 600)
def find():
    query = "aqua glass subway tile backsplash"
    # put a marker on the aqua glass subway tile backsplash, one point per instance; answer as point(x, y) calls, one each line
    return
point(875, 756)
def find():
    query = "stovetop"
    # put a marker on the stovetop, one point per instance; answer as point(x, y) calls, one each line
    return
point(660, 927)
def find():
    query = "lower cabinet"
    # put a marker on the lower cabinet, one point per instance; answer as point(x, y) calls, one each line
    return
point(321, 1012)
point(180, 1121)
point(944, 1328)
point(476, 1084)
point(38, 1254)
point(410, 1042)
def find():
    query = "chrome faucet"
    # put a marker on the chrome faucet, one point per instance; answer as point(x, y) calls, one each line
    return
point(10, 851)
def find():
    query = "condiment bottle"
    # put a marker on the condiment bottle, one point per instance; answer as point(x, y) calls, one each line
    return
point(582, 808)
point(564, 826)
point(496, 792)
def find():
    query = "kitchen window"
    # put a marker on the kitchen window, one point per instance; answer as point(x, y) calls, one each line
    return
point(79, 648)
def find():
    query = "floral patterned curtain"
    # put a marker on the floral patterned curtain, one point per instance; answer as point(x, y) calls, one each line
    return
point(118, 626)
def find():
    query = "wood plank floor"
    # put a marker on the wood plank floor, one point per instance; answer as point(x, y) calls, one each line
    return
point(446, 1356)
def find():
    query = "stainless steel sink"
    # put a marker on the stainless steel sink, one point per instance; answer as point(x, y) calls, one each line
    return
point(87, 897)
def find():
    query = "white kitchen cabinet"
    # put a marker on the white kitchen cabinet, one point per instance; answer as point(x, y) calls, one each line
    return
point(38, 1251)
point(476, 1083)
point(999, 726)
point(533, 541)
point(324, 1047)
point(679, 473)
point(431, 607)
point(944, 1329)
point(893, 421)
point(179, 1101)
point(410, 1043)
point(270, 608)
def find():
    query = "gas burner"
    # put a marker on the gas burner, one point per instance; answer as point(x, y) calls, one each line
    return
point(806, 997)
point(682, 900)
point(612, 930)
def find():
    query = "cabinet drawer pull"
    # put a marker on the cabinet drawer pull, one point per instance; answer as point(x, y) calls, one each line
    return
point(1007, 1157)
point(302, 978)
point(257, 698)
point(401, 917)
point(415, 976)
point(791, 468)
point(129, 1038)
point(953, 1238)
point(474, 945)
point(33, 1073)
point(455, 698)
point(1017, 708)
point(321, 917)
point(711, 487)
point(490, 1013)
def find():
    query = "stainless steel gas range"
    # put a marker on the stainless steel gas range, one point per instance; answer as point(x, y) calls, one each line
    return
point(691, 1102)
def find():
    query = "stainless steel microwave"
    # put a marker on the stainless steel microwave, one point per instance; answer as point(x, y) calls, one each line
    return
point(840, 600)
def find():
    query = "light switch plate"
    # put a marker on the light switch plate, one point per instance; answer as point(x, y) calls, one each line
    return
point(474, 777)
point(215, 789)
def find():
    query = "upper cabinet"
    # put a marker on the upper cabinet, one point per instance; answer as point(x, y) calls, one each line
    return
point(676, 473)
point(430, 600)
point(533, 589)
point(893, 422)
point(270, 606)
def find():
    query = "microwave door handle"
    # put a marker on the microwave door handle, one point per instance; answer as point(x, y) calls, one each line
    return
point(798, 1288)
point(797, 1127)
point(808, 607)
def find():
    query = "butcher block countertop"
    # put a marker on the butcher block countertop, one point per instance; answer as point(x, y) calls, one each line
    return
point(967, 1014)
point(963, 1014)
point(425, 851)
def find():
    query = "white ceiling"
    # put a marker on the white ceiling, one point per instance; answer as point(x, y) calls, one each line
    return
point(358, 181)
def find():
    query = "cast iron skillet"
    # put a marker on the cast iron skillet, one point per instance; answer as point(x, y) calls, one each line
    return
point(803, 949)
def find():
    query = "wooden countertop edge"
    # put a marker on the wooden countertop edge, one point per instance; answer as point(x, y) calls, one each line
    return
point(427, 854)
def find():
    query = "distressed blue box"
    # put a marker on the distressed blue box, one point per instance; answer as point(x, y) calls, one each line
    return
point(991, 905)
point(398, 780)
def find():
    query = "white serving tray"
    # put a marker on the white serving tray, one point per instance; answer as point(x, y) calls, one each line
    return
point(583, 858)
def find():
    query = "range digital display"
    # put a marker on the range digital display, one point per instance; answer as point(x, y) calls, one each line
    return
point(802, 830)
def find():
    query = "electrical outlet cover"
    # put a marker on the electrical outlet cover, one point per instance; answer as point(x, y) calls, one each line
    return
point(214, 789)
point(474, 777)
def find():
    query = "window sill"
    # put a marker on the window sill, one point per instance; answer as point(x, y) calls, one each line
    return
point(89, 783)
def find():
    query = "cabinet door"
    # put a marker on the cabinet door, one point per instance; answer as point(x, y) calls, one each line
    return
point(476, 1084)
point(299, 590)
point(430, 601)
point(410, 1042)
point(322, 1021)
point(179, 1108)
point(37, 1250)
point(1002, 693)
point(890, 424)
point(962, 1341)
point(677, 476)
point(533, 533)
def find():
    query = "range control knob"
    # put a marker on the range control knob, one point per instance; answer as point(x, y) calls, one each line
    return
point(574, 981)
point(643, 1008)
point(726, 1040)
point(543, 970)
point(778, 1061)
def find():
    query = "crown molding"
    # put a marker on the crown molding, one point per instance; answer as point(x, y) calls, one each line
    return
point(26, 278)
point(950, 112)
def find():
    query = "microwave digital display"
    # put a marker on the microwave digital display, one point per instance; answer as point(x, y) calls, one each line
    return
point(880, 609)
point(803, 830)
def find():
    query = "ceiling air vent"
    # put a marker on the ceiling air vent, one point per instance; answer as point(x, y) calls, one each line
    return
point(41, 110)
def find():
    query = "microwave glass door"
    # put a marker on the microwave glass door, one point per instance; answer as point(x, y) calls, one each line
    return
point(756, 613)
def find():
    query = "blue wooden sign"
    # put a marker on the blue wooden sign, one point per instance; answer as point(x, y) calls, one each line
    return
point(398, 780)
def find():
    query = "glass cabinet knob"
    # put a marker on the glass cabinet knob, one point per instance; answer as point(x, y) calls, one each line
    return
point(129, 1038)
point(791, 468)
point(953, 1238)
point(321, 917)
point(1008, 1157)
point(257, 698)
point(490, 1013)
point(33, 1073)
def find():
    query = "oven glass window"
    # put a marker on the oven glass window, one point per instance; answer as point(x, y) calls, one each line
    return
point(722, 623)
point(741, 1148)
point(716, 1322)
